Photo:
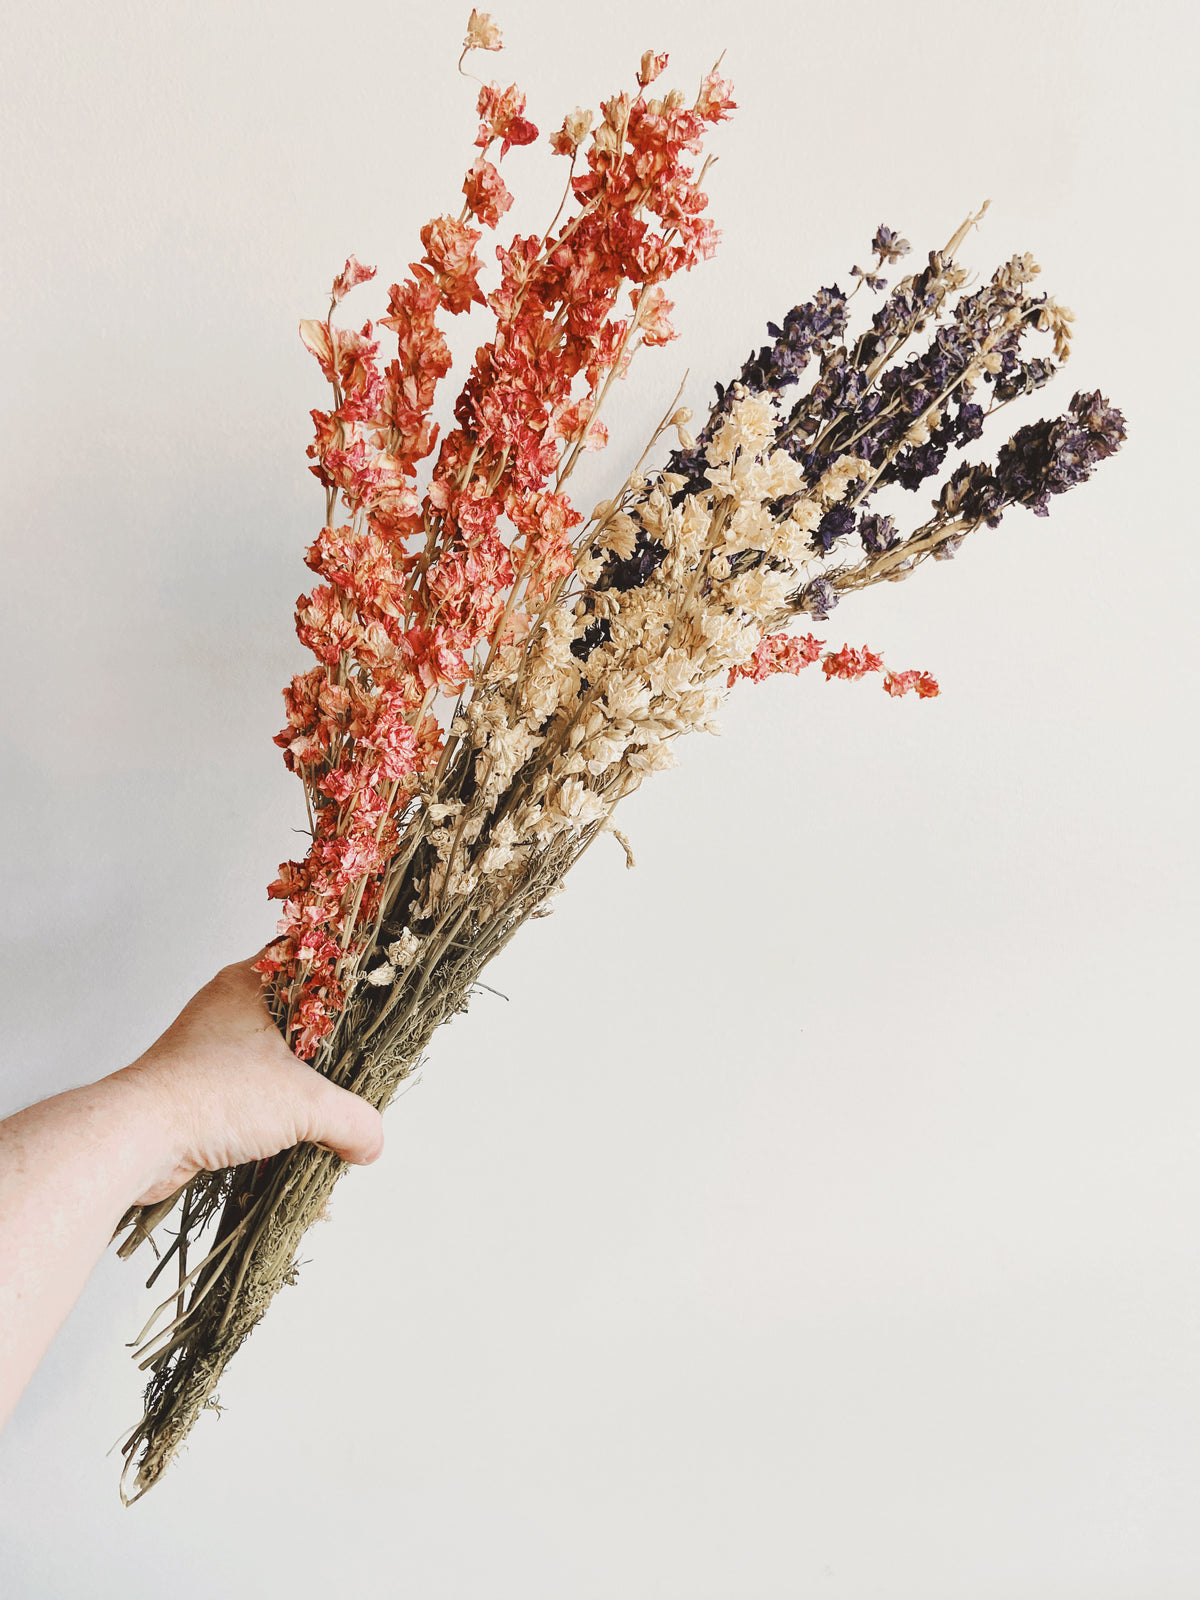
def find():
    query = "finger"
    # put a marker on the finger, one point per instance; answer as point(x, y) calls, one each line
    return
point(346, 1124)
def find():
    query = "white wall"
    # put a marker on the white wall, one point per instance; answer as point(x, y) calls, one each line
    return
point(819, 1215)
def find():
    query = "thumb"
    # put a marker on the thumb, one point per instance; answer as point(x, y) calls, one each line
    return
point(345, 1123)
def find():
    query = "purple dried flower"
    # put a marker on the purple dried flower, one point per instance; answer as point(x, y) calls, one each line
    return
point(877, 532)
point(1049, 457)
point(818, 598)
point(888, 245)
point(972, 493)
point(871, 279)
point(808, 330)
point(1023, 378)
point(1104, 423)
point(632, 571)
point(598, 631)
point(834, 525)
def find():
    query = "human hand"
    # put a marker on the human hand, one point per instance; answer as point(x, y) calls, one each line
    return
point(223, 1088)
point(218, 1089)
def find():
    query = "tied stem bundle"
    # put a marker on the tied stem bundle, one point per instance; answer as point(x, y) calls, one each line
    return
point(495, 672)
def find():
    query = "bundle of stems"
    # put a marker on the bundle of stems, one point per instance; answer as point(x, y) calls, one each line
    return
point(266, 1207)
point(496, 672)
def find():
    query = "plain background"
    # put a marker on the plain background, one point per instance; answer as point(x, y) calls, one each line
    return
point(819, 1214)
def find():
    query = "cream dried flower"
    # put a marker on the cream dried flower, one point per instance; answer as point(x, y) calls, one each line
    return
point(761, 592)
point(651, 758)
point(577, 804)
point(402, 951)
point(750, 425)
point(626, 696)
point(576, 127)
point(837, 478)
point(619, 534)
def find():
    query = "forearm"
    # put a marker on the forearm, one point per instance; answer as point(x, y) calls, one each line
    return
point(69, 1168)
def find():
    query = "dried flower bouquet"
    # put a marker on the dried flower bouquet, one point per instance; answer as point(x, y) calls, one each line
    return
point(495, 672)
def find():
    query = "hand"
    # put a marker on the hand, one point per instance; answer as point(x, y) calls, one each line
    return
point(219, 1088)
point(226, 1089)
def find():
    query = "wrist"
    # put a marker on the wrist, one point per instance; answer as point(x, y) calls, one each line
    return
point(137, 1118)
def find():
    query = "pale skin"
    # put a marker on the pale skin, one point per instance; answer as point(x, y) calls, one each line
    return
point(219, 1088)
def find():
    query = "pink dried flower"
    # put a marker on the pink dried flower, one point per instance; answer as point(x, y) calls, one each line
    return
point(487, 196)
point(351, 275)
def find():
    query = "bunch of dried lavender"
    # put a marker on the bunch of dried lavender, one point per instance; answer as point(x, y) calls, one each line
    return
point(670, 592)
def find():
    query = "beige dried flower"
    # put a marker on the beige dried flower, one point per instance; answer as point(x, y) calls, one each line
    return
point(651, 758)
point(751, 423)
point(576, 126)
point(837, 478)
point(402, 951)
point(1017, 272)
point(482, 33)
point(1057, 319)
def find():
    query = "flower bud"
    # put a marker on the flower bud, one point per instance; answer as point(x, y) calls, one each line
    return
point(651, 67)
point(571, 135)
point(482, 33)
